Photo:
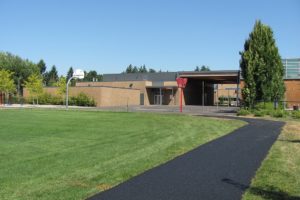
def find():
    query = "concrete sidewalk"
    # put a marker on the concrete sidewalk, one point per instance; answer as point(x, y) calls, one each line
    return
point(221, 169)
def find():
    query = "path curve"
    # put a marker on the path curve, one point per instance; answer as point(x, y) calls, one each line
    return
point(220, 169)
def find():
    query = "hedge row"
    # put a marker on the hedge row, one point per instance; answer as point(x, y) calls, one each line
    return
point(47, 99)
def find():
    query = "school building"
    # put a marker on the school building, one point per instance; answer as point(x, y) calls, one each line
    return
point(207, 88)
point(203, 88)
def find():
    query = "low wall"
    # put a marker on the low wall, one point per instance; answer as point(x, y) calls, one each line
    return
point(103, 96)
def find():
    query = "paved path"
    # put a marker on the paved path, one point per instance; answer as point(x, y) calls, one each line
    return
point(221, 169)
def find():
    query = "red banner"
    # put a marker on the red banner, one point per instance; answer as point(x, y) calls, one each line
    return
point(181, 82)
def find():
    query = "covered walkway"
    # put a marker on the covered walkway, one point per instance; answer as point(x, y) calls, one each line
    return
point(202, 87)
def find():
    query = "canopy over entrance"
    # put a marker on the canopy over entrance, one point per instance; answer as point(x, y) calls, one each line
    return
point(215, 77)
point(202, 87)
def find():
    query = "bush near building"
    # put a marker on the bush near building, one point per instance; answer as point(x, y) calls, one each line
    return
point(80, 100)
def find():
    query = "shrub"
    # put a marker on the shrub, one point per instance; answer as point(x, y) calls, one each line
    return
point(267, 106)
point(243, 112)
point(82, 100)
point(79, 100)
point(278, 113)
point(259, 113)
point(296, 114)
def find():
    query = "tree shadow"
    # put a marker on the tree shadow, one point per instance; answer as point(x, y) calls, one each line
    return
point(269, 192)
point(292, 141)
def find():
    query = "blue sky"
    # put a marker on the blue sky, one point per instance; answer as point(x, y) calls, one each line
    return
point(108, 35)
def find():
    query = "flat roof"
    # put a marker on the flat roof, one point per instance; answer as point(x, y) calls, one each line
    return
point(158, 76)
point(224, 76)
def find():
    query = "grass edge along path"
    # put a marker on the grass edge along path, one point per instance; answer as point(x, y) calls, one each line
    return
point(279, 175)
point(57, 154)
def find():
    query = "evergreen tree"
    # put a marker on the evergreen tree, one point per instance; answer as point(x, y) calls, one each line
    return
point(197, 69)
point(143, 69)
point(69, 75)
point(152, 70)
point(129, 69)
point(52, 76)
point(135, 69)
point(261, 66)
point(204, 68)
point(42, 66)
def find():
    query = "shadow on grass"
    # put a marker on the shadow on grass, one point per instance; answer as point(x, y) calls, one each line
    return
point(292, 141)
point(269, 192)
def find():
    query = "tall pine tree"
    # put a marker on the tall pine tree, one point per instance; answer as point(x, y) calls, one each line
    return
point(261, 67)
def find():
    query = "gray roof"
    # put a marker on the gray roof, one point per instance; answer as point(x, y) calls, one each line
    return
point(160, 76)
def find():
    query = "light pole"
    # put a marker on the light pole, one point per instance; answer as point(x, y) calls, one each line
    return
point(79, 74)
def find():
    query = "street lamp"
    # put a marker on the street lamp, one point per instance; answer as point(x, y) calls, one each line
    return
point(78, 73)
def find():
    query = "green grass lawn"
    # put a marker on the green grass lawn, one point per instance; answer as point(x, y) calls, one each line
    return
point(278, 178)
point(58, 154)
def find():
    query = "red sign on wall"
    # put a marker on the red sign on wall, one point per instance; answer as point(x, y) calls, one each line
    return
point(181, 82)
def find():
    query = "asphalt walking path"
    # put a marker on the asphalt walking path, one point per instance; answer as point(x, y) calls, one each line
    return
point(220, 169)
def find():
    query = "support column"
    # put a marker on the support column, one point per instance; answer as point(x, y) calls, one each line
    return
point(202, 94)
point(228, 96)
point(160, 96)
point(237, 94)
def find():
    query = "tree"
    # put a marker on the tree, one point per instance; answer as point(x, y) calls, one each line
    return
point(204, 68)
point(143, 69)
point(129, 69)
point(34, 85)
point(69, 75)
point(21, 68)
point(261, 66)
point(92, 76)
point(152, 70)
point(42, 66)
point(52, 76)
point(7, 85)
point(135, 69)
point(62, 86)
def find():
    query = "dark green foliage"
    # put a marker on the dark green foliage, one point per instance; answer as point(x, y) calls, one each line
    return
point(92, 76)
point(129, 69)
point(152, 70)
point(51, 77)
point(42, 66)
point(143, 69)
point(261, 66)
point(203, 68)
point(135, 69)
point(243, 112)
point(69, 75)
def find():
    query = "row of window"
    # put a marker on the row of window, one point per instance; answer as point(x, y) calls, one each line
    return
point(292, 68)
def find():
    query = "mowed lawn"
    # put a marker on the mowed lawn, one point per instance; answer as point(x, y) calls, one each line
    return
point(58, 154)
